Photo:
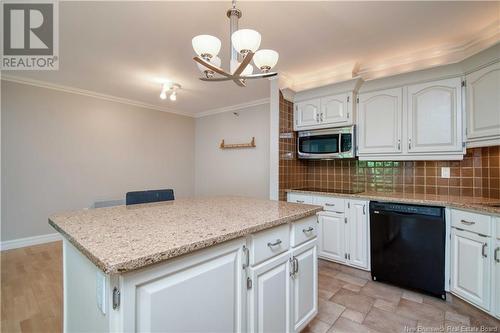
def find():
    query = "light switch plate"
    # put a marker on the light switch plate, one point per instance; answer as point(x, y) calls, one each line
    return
point(445, 172)
point(100, 290)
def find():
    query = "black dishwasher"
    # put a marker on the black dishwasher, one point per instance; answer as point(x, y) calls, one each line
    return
point(407, 246)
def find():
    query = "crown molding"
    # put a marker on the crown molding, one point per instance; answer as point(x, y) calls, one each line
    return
point(420, 60)
point(89, 93)
point(436, 56)
point(233, 107)
point(321, 77)
point(288, 94)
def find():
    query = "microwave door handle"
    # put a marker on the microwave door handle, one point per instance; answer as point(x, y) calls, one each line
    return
point(340, 143)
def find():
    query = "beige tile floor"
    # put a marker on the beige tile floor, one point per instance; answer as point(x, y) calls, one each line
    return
point(31, 299)
point(350, 302)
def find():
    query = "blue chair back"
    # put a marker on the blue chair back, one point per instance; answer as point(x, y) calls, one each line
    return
point(139, 197)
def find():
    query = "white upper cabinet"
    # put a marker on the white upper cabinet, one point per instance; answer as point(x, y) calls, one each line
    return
point(329, 111)
point(483, 106)
point(335, 110)
point(417, 122)
point(307, 113)
point(434, 117)
point(380, 117)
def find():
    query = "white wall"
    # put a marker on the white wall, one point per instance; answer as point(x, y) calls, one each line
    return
point(233, 171)
point(63, 151)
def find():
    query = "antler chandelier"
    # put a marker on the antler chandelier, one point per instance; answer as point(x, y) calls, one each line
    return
point(244, 47)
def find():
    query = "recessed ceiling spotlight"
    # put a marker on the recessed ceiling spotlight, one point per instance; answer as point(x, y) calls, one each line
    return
point(169, 87)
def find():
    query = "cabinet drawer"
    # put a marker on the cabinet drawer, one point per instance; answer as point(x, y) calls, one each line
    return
point(266, 244)
point(478, 223)
point(300, 198)
point(304, 230)
point(330, 203)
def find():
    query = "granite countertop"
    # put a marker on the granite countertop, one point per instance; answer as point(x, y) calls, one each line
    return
point(124, 238)
point(478, 204)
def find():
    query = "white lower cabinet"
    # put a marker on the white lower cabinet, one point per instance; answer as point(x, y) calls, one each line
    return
point(343, 237)
point(475, 259)
point(331, 235)
point(216, 289)
point(304, 285)
point(496, 274)
point(470, 267)
point(269, 296)
point(283, 291)
point(357, 233)
point(179, 296)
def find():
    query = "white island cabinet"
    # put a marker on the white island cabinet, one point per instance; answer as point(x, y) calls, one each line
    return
point(256, 273)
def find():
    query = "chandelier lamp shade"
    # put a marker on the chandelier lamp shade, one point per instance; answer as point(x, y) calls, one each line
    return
point(245, 40)
point(206, 46)
point(244, 48)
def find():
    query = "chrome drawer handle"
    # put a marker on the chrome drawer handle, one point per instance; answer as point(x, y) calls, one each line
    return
point(497, 259)
point(277, 242)
point(300, 201)
point(247, 257)
point(329, 204)
point(483, 251)
point(307, 230)
point(468, 222)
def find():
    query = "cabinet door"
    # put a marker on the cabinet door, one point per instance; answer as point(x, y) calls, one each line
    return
point(483, 103)
point(335, 110)
point(166, 297)
point(380, 122)
point(470, 267)
point(305, 285)
point(357, 231)
point(496, 276)
point(307, 113)
point(270, 296)
point(435, 117)
point(331, 235)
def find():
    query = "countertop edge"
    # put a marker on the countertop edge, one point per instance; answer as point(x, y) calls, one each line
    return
point(369, 196)
point(158, 257)
point(101, 265)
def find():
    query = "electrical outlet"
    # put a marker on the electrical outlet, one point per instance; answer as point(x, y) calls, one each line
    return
point(100, 290)
point(445, 172)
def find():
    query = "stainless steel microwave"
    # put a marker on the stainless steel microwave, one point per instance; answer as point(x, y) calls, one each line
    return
point(326, 143)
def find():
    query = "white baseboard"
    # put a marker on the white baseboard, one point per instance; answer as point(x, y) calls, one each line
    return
point(28, 241)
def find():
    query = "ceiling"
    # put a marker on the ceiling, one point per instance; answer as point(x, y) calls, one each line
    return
point(125, 49)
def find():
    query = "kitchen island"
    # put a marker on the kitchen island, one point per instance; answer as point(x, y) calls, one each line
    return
point(219, 264)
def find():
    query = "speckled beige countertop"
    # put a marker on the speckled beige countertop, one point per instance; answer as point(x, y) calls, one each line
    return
point(124, 238)
point(482, 205)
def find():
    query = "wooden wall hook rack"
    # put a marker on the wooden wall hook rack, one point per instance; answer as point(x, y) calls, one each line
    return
point(251, 144)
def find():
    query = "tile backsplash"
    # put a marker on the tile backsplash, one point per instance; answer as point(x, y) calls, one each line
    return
point(477, 175)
